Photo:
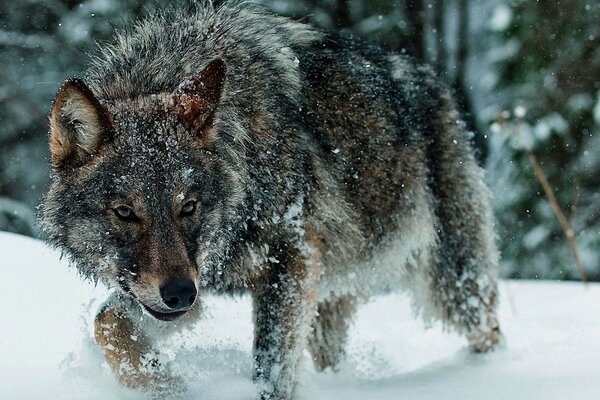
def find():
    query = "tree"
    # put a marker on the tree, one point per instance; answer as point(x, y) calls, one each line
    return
point(550, 80)
point(41, 43)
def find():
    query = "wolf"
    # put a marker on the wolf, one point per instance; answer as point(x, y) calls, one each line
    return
point(228, 150)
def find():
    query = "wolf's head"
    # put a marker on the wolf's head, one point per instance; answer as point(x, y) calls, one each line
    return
point(141, 195)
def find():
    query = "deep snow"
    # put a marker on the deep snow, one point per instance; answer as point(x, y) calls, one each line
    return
point(47, 352)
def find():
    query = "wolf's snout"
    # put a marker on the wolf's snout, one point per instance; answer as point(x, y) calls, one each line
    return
point(178, 294)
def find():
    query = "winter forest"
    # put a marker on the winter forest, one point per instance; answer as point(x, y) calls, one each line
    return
point(526, 75)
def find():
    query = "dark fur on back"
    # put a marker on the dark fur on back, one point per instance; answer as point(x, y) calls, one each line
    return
point(329, 169)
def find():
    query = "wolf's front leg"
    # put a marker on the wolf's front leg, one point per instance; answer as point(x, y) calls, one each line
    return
point(330, 331)
point(285, 304)
point(129, 354)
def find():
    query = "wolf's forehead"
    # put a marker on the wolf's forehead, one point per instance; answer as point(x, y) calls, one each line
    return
point(147, 192)
point(146, 170)
point(151, 138)
point(147, 122)
point(151, 147)
point(149, 177)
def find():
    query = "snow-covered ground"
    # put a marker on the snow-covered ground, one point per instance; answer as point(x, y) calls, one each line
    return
point(47, 352)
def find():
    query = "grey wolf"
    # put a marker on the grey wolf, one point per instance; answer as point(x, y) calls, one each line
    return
point(233, 151)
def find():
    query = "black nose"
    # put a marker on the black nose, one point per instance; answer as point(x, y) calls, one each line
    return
point(178, 293)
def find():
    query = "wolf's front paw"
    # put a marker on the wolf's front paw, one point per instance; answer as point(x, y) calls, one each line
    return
point(152, 378)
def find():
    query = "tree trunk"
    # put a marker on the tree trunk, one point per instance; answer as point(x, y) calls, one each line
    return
point(439, 26)
point(461, 85)
point(342, 14)
point(415, 17)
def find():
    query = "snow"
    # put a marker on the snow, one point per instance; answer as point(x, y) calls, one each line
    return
point(501, 18)
point(552, 349)
point(553, 122)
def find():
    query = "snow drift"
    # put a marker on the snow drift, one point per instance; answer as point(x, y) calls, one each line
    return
point(46, 348)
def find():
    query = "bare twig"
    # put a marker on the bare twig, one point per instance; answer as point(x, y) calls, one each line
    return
point(564, 223)
point(574, 203)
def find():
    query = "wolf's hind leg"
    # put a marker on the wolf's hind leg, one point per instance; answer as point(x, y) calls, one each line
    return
point(463, 286)
point(129, 354)
point(486, 335)
point(463, 274)
point(330, 331)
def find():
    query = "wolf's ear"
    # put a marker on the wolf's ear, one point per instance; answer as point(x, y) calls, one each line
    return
point(197, 97)
point(79, 124)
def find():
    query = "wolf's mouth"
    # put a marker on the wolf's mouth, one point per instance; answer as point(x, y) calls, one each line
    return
point(170, 316)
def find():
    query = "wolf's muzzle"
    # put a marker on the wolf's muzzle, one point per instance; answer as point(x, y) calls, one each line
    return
point(179, 294)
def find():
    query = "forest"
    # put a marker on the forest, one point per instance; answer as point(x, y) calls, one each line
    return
point(526, 75)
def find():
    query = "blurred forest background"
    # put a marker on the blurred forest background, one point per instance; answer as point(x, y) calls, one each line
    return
point(526, 74)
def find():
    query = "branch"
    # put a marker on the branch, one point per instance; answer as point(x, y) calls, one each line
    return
point(574, 203)
point(564, 223)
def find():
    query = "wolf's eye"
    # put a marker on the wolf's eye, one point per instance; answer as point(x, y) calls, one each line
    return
point(188, 209)
point(124, 213)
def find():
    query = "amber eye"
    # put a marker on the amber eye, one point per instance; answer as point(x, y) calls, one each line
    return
point(188, 209)
point(124, 213)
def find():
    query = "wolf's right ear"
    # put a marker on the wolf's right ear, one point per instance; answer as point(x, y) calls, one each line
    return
point(197, 98)
point(79, 124)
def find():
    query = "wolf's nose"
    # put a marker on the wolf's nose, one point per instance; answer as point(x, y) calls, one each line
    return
point(178, 293)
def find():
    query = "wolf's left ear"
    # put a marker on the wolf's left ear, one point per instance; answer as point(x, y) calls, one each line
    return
point(78, 124)
point(196, 99)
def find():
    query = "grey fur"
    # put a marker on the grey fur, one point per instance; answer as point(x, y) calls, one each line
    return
point(331, 170)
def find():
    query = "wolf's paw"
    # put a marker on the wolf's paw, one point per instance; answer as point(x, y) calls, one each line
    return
point(484, 341)
point(153, 379)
